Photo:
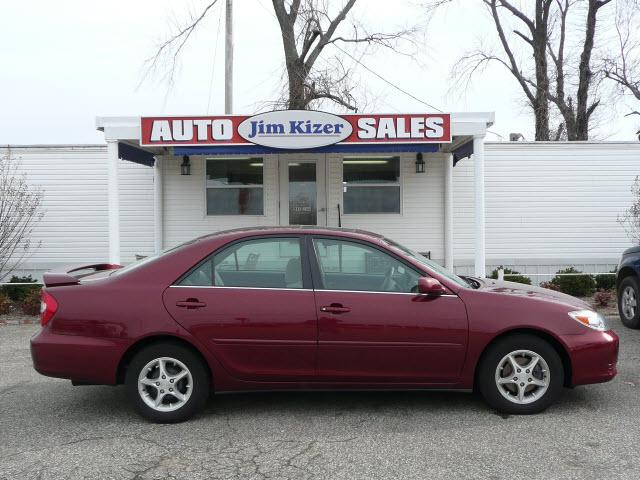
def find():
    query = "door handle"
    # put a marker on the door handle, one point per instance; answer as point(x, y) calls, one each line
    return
point(190, 303)
point(335, 308)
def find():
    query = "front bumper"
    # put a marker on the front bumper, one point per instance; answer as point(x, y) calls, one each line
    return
point(80, 358)
point(594, 357)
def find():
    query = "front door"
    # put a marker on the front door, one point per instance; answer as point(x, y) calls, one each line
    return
point(373, 326)
point(302, 190)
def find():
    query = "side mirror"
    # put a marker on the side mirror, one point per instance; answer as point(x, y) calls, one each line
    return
point(430, 286)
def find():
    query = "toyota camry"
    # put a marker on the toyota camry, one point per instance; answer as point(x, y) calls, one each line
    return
point(311, 308)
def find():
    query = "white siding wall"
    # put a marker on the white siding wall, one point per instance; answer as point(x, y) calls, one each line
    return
point(185, 211)
point(74, 183)
point(548, 205)
point(136, 210)
point(420, 223)
point(73, 228)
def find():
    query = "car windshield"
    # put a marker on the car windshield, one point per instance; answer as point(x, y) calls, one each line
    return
point(440, 270)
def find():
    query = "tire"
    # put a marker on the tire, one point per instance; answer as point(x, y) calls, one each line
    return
point(185, 386)
point(540, 389)
point(628, 291)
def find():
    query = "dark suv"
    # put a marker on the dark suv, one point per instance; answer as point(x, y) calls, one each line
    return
point(628, 285)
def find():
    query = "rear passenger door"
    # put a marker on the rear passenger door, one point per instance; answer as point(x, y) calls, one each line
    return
point(252, 304)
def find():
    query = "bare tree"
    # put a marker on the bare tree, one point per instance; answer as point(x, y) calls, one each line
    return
point(532, 39)
point(308, 28)
point(623, 64)
point(630, 219)
point(576, 114)
point(20, 211)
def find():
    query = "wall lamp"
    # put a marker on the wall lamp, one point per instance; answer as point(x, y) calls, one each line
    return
point(185, 166)
point(420, 163)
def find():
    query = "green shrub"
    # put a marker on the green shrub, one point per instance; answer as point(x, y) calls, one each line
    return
point(606, 282)
point(18, 292)
point(30, 304)
point(575, 285)
point(5, 304)
point(515, 278)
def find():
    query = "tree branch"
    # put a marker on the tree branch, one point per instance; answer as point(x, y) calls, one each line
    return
point(178, 40)
point(505, 45)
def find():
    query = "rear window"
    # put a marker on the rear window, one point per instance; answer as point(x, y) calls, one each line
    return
point(151, 258)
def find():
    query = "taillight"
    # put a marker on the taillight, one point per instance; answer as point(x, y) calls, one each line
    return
point(48, 307)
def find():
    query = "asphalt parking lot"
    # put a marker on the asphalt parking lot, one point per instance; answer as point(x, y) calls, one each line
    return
point(49, 429)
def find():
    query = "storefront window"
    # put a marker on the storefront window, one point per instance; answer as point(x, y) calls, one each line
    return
point(371, 185)
point(235, 187)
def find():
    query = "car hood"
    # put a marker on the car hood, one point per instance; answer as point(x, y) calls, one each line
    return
point(529, 291)
point(631, 250)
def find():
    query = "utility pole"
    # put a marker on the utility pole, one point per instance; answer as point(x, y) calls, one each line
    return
point(228, 59)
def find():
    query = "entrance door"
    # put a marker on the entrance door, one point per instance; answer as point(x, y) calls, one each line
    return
point(302, 190)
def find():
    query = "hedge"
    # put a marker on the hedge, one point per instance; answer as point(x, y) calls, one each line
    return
point(575, 285)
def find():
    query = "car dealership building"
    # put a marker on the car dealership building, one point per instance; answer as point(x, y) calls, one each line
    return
point(429, 181)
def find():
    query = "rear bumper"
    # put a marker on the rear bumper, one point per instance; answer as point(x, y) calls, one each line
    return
point(594, 357)
point(84, 359)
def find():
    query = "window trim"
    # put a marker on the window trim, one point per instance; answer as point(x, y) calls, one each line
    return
point(316, 273)
point(399, 183)
point(307, 282)
point(207, 187)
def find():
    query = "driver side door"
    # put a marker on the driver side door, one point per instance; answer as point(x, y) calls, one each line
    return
point(374, 327)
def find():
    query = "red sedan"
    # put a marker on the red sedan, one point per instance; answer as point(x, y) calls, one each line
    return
point(311, 308)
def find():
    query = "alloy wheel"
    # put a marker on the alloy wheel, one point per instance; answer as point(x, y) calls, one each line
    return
point(629, 302)
point(522, 377)
point(165, 384)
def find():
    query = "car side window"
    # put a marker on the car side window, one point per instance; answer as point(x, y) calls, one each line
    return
point(201, 276)
point(348, 265)
point(264, 262)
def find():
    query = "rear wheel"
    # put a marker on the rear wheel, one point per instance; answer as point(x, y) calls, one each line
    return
point(628, 296)
point(520, 374)
point(167, 383)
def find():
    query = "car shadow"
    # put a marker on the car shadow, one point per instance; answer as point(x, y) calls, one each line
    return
point(329, 402)
point(112, 400)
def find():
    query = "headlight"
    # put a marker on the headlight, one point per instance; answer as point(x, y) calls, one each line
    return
point(590, 319)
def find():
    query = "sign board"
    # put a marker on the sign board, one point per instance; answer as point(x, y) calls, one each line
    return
point(295, 129)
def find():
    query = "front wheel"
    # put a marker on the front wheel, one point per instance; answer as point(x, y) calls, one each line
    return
point(167, 383)
point(628, 295)
point(520, 374)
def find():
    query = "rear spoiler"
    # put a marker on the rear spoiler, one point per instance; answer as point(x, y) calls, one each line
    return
point(64, 277)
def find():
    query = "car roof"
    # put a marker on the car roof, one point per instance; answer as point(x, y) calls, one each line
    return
point(306, 229)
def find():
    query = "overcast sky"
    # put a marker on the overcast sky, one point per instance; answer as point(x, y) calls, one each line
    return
point(66, 62)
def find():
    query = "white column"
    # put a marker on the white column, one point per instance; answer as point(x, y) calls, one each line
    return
point(158, 219)
point(448, 211)
point(113, 201)
point(478, 163)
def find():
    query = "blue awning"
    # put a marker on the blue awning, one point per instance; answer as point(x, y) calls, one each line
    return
point(463, 151)
point(135, 154)
point(251, 149)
